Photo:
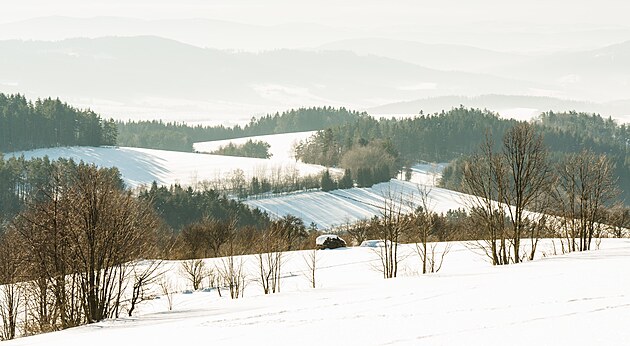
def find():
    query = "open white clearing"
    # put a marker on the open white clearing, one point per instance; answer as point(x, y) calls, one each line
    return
point(281, 145)
point(143, 166)
point(574, 299)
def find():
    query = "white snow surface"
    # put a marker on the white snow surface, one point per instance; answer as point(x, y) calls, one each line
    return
point(281, 145)
point(339, 207)
point(427, 173)
point(143, 166)
point(571, 299)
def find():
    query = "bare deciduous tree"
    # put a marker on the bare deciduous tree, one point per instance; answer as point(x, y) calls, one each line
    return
point(422, 226)
point(311, 259)
point(10, 290)
point(231, 271)
point(144, 274)
point(167, 290)
point(271, 245)
point(392, 225)
point(528, 179)
point(585, 186)
point(507, 190)
point(195, 271)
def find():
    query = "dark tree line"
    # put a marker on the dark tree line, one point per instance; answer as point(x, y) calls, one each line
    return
point(180, 207)
point(26, 125)
point(180, 137)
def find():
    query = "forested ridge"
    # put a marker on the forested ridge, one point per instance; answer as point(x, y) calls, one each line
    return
point(157, 134)
point(453, 135)
point(26, 125)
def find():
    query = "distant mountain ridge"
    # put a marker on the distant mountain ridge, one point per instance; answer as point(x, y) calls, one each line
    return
point(505, 104)
point(128, 72)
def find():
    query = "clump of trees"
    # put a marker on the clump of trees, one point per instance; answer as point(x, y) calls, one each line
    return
point(366, 162)
point(516, 193)
point(70, 249)
point(584, 189)
point(257, 149)
point(509, 189)
point(26, 125)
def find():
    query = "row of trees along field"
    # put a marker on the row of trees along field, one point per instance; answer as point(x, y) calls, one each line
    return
point(25, 125)
point(454, 135)
point(180, 137)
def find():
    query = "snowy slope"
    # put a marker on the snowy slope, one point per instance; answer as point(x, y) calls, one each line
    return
point(143, 166)
point(335, 208)
point(574, 299)
point(281, 145)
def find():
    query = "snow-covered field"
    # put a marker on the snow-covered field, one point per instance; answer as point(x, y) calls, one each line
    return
point(338, 207)
point(143, 166)
point(327, 209)
point(281, 145)
point(573, 299)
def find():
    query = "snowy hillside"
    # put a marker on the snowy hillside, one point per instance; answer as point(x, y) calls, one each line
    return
point(143, 166)
point(338, 207)
point(281, 144)
point(574, 299)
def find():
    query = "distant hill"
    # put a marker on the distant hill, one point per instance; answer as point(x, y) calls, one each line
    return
point(600, 74)
point(438, 56)
point(507, 105)
point(244, 36)
point(126, 73)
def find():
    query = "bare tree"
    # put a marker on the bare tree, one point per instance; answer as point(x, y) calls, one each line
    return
point(483, 181)
point(528, 179)
point(167, 291)
point(10, 289)
point(311, 259)
point(506, 189)
point(586, 185)
point(231, 271)
point(43, 229)
point(144, 275)
point(194, 271)
point(422, 227)
point(271, 245)
point(390, 228)
point(358, 231)
point(619, 220)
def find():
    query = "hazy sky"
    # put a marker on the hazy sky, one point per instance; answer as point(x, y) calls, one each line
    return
point(357, 13)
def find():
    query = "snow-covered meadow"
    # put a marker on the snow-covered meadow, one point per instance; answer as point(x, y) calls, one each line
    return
point(571, 299)
point(281, 145)
point(338, 207)
point(143, 166)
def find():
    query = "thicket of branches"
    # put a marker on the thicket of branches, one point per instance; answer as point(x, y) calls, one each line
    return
point(67, 254)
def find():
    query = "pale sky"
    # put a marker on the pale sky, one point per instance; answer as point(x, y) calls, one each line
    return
point(356, 13)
